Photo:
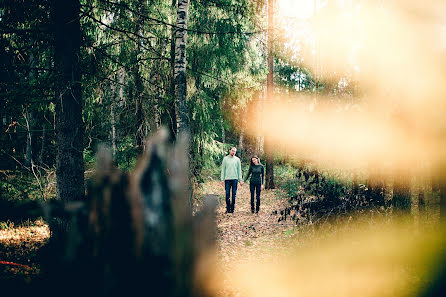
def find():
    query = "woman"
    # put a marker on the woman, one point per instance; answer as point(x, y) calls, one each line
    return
point(257, 174)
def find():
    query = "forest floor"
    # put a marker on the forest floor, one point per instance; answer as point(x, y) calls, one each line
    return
point(256, 255)
point(243, 237)
point(243, 231)
point(259, 256)
point(18, 249)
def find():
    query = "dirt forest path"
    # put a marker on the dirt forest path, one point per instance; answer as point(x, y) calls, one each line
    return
point(241, 234)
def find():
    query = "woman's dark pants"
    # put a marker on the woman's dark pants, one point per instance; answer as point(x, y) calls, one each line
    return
point(257, 189)
point(230, 183)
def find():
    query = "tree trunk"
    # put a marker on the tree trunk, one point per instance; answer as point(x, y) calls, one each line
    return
point(139, 86)
point(154, 118)
point(240, 141)
point(168, 114)
point(300, 81)
point(69, 125)
point(269, 179)
point(138, 110)
point(180, 67)
point(42, 158)
point(222, 120)
point(113, 130)
point(117, 97)
point(223, 133)
point(5, 138)
point(29, 118)
point(260, 138)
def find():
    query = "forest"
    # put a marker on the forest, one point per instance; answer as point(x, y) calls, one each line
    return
point(117, 116)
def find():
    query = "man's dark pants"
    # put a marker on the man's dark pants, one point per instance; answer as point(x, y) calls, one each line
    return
point(230, 183)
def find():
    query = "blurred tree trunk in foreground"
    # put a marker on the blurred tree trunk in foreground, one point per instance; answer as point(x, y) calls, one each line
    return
point(135, 236)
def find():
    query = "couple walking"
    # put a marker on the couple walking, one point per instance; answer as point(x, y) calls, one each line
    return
point(231, 175)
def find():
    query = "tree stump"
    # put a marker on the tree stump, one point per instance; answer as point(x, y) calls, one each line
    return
point(135, 235)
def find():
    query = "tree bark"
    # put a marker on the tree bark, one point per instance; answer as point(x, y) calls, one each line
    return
point(68, 101)
point(240, 141)
point(117, 97)
point(139, 126)
point(139, 86)
point(260, 138)
point(29, 118)
point(168, 114)
point(269, 179)
point(180, 67)
point(223, 133)
point(222, 120)
point(138, 109)
point(113, 130)
point(154, 118)
point(42, 158)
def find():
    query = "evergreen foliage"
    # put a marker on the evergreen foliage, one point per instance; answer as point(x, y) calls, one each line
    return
point(127, 82)
point(126, 76)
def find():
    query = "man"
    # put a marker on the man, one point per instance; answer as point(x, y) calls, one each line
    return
point(231, 174)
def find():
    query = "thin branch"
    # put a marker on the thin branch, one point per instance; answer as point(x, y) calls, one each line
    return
point(12, 157)
point(44, 30)
point(127, 33)
point(128, 69)
point(38, 180)
point(111, 11)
